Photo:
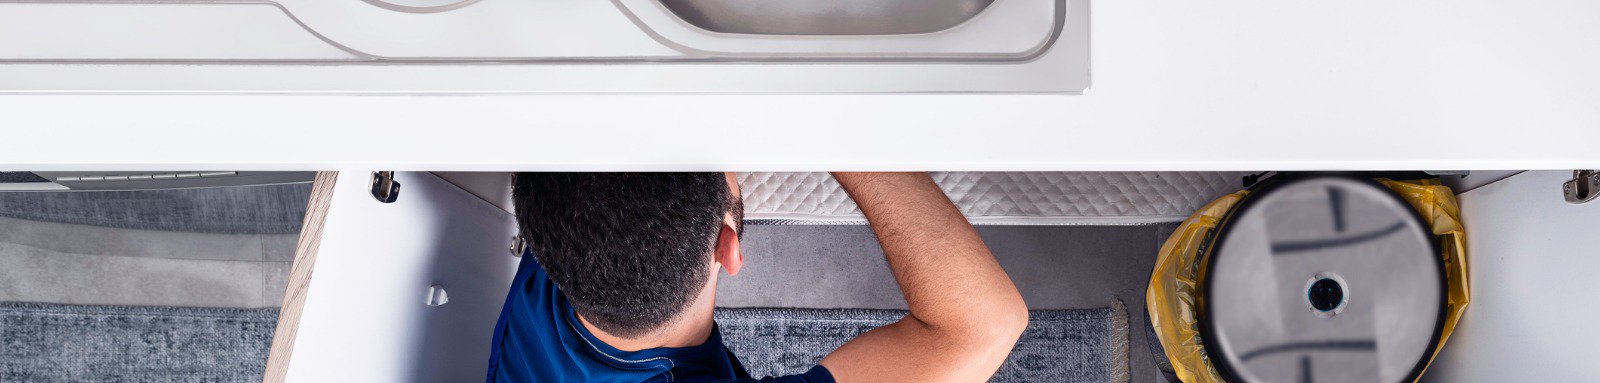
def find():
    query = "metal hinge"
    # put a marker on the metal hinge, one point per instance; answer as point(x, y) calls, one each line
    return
point(384, 188)
point(1583, 187)
point(518, 246)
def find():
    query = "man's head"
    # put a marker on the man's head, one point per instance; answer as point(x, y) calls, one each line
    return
point(631, 251)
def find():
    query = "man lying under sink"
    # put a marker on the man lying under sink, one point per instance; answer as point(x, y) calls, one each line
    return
point(619, 283)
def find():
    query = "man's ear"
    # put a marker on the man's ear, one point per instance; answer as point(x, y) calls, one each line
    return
point(727, 251)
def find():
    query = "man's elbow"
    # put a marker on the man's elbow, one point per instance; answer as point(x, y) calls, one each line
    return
point(1011, 322)
point(999, 328)
point(994, 337)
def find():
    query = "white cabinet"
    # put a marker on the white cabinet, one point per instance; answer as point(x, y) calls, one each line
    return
point(1534, 261)
point(369, 314)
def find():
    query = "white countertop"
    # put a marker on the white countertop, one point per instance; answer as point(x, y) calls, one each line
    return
point(1177, 85)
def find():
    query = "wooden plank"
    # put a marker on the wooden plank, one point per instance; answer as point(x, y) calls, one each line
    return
point(305, 257)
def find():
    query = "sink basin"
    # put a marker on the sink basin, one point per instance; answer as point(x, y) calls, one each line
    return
point(826, 17)
point(554, 46)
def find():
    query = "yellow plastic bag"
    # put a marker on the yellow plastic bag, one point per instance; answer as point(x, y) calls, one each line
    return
point(1437, 204)
point(1173, 294)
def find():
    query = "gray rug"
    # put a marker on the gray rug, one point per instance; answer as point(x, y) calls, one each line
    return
point(271, 209)
point(1059, 346)
point(64, 343)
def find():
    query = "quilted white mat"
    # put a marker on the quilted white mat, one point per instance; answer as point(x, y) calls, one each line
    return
point(1005, 198)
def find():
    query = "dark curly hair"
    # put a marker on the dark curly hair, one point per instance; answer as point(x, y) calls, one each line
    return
point(629, 250)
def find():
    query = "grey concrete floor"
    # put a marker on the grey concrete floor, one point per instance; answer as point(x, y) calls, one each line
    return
point(1054, 267)
point(80, 264)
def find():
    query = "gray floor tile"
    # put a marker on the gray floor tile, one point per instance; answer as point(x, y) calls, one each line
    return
point(234, 210)
point(279, 247)
point(96, 240)
point(1151, 351)
point(810, 267)
point(1083, 267)
point(1163, 231)
point(841, 266)
point(1067, 267)
point(277, 280)
point(31, 274)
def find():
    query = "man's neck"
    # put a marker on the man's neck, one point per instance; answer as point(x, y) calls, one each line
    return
point(688, 334)
point(692, 328)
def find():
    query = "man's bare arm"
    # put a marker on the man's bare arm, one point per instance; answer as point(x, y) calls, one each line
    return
point(965, 313)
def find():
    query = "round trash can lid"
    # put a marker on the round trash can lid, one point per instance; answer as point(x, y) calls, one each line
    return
point(1323, 279)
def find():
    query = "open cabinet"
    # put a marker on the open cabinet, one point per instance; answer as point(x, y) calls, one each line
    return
point(404, 290)
point(408, 289)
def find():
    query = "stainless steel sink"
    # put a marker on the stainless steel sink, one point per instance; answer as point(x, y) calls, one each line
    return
point(586, 46)
point(827, 17)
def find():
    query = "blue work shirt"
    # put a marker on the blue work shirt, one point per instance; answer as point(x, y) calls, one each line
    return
point(539, 339)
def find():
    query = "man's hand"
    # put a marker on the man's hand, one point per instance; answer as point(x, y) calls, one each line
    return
point(966, 315)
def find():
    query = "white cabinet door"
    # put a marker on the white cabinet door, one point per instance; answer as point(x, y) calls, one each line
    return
point(1535, 261)
point(366, 317)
